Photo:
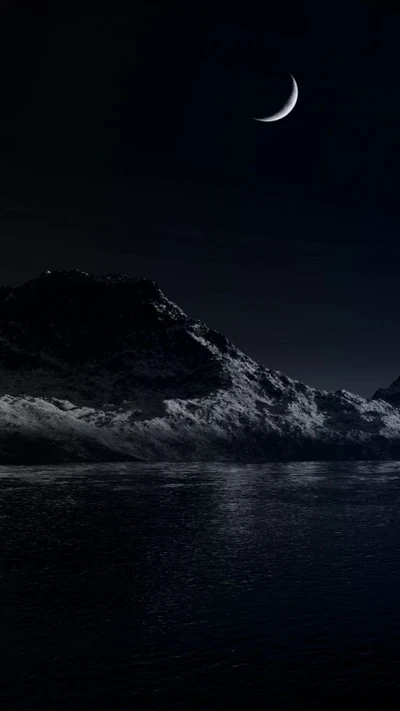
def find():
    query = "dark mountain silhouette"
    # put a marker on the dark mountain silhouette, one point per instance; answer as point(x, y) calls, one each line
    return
point(390, 394)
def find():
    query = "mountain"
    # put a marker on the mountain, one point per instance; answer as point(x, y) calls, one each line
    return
point(106, 368)
point(390, 394)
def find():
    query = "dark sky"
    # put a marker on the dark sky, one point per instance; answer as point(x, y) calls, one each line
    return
point(127, 144)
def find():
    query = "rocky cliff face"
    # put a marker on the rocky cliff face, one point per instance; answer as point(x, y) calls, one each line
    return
point(100, 341)
point(104, 368)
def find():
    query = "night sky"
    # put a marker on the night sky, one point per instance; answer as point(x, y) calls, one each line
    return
point(127, 144)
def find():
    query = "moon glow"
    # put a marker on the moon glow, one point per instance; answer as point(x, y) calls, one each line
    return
point(286, 108)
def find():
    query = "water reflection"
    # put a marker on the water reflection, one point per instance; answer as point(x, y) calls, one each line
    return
point(165, 586)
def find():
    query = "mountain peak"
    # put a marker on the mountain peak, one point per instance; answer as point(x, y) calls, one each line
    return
point(78, 275)
point(390, 394)
point(79, 289)
point(98, 339)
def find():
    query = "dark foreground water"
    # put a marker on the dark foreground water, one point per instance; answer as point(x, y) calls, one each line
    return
point(186, 587)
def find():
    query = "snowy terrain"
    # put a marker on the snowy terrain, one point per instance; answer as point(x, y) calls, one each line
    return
point(107, 368)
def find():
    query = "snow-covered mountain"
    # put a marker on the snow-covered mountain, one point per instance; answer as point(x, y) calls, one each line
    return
point(105, 368)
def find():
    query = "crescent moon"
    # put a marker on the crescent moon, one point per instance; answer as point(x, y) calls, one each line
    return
point(286, 108)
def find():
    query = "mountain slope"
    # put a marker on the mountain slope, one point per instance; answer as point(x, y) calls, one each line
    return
point(102, 368)
point(390, 394)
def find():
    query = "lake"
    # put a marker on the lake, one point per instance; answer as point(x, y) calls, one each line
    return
point(200, 586)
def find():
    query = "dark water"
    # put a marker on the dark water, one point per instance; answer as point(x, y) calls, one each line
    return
point(200, 587)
